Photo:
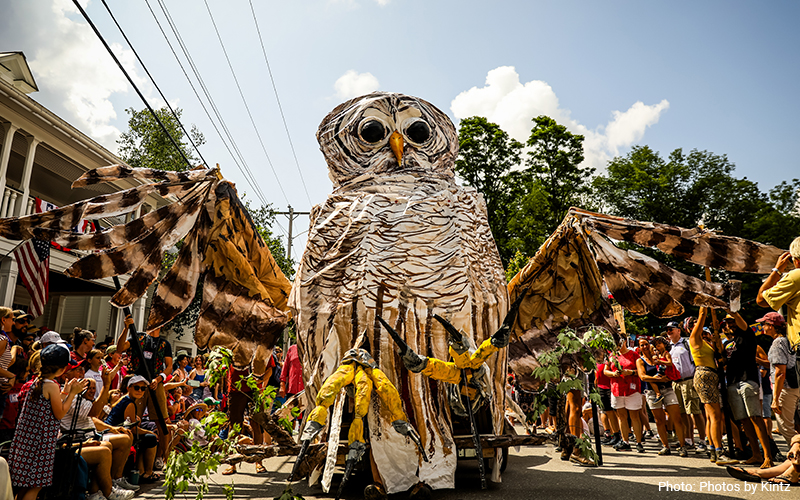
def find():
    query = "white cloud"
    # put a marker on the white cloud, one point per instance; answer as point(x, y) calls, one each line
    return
point(511, 104)
point(69, 61)
point(353, 84)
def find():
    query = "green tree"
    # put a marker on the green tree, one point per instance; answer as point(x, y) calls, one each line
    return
point(643, 186)
point(555, 159)
point(145, 145)
point(486, 157)
point(263, 219)
point(529, 224)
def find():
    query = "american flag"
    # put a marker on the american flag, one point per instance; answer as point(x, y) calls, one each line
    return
point(33, 259)
point(84, 225)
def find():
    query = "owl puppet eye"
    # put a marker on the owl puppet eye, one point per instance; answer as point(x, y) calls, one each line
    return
point(373, 131)
point(418, 131)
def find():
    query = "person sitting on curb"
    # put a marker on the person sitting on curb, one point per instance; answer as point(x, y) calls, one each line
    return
point(787, 472)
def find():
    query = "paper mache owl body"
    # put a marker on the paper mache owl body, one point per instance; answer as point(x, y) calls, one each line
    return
point(398, 238)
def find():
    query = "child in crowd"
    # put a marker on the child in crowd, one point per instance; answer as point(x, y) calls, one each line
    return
point(8, 422)
point(176, 403)
point(663, 359)
point(33, 449)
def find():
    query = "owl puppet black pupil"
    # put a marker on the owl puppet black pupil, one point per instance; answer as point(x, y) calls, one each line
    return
point(418, 132)
point(373, 131)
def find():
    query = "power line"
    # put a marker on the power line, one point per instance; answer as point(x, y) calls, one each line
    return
point(175, 115)
point(203, 105)
point(130, 80)
point(244, 168)
point(280, 108)
point(191, 84)
point(241, 94)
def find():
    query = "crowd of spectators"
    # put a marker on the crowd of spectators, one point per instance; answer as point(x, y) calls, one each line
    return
point(121, 411)
point(705, 384)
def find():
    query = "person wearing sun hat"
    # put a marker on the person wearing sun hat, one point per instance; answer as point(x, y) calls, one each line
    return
point(785, 383)
point(125, 411)
point(194, 415)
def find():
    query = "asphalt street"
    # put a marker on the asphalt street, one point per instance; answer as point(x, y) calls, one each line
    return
point(533, 473)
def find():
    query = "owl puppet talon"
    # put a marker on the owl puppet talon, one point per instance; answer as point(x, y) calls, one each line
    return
point(502, 336)
point(455, 338)
point(357, 449)
point(412, 361)
point(311, 431)
point(404, 428)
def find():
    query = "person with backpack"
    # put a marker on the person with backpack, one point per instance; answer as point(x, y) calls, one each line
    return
point(783, 364)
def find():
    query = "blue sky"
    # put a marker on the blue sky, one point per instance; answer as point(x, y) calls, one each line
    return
point(720, 76)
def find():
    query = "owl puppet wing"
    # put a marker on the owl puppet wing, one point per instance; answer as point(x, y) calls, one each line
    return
point(399, 239)
point(222, 261)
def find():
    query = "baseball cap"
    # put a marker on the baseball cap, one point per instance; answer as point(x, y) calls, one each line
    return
point(136, 379)
point(55, 355)
point(19, 314)
point(181, 354)
point(673, 324)
point(773, 318)
point(52, 337)
point(111, 350)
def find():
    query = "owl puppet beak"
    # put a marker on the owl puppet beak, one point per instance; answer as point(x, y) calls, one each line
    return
point(396, 143)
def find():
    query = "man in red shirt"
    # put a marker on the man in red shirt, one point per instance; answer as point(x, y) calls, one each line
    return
point(291, 374)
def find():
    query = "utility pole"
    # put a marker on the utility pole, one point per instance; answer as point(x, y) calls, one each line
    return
point(292, 215)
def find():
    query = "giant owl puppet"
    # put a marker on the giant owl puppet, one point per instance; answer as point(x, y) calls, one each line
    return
point(398, 240)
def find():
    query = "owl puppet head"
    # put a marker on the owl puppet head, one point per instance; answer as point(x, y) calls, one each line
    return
point(382, 134)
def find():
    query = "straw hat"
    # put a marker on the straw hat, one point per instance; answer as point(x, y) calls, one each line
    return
point(194, 407)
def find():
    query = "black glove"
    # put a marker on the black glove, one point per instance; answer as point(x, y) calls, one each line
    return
point(412, 361)
point(503, 334)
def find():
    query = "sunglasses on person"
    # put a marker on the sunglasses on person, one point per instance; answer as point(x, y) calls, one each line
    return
point(139, 387)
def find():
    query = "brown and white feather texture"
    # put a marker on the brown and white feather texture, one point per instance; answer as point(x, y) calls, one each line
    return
point(244, 306)
point(565, 280)
point(404, 242)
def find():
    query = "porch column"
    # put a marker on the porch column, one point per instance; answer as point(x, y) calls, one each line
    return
point(8, 281)
point(5, 154)
point(25, 183)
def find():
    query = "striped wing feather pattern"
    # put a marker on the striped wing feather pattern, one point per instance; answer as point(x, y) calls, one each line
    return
point(118, 172)
point(643, 285)
point(244, 304)
point(698, 246)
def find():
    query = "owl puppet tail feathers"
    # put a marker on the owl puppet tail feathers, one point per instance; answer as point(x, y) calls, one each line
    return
point(244, 292)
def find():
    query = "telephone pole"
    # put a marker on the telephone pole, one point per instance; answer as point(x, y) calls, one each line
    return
point(292, 215)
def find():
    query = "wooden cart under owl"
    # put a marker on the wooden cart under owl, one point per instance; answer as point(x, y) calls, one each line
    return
point(400, 260)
